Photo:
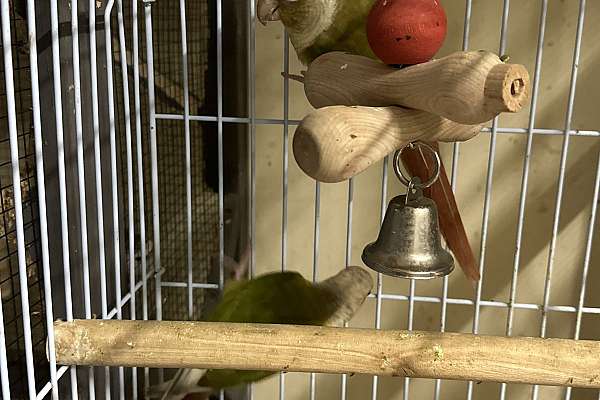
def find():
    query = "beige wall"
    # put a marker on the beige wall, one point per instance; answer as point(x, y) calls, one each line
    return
point(581, 164)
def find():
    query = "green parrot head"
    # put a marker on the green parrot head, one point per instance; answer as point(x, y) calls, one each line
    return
point(320, 26)
point(350, 288)
point(305, 20)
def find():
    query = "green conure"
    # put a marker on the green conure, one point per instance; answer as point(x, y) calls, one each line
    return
point(276, 298)
point(316, 27)
point(287, 298)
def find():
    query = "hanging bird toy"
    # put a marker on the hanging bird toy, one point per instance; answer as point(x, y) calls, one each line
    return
point(409, 243)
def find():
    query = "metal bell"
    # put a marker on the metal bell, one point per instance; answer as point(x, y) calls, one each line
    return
point(409, 244)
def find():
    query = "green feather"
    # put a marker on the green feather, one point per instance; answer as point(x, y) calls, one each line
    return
point(277, 298)
point(347, 33)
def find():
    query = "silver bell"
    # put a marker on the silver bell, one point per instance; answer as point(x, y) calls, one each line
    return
point(409, 244)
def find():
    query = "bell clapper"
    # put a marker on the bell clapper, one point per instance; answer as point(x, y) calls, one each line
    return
point(409, 242)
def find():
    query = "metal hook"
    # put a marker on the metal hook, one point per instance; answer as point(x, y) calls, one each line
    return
point(414, 190)
point(409, 182)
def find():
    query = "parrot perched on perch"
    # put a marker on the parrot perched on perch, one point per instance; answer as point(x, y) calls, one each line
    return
point(316, 27)
point(185, 380)
point(275, 298)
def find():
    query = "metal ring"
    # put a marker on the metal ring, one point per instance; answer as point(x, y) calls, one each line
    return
point(407, 181)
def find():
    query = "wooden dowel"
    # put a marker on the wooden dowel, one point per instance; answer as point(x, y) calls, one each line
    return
point(172, 344)
point(466, 87)
point(335, 143)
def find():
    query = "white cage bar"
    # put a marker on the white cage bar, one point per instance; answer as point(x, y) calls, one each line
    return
point(126, 383)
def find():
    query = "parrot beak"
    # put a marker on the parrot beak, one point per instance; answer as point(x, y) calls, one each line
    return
point(267, 10)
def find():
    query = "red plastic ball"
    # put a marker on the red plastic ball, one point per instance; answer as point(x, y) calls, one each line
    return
point(406, 31)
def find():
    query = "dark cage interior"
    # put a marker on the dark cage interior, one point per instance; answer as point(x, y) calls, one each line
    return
point(169, 90)
point(9, 268)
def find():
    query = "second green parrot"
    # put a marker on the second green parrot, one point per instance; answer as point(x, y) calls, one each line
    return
point(275, 298)
point(316, 27)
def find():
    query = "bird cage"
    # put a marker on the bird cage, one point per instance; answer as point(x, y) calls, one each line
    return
point(147, 144)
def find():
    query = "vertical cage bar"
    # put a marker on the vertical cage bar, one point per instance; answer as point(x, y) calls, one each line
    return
point(113, 169)
point(467, 24)
point(443, 312)
point(586, 261)
point(252, 113)
point(220, 146)
point(286, 124)
point(488, 196)
point(98, 176)
point(81, 178)
point(220, 137)
point(379, 290)
point(252, 133)
point(563, 161)
point(411, 314)
point(140, 167)
point(317, 234)
point(561, 176)
point(129, 160)
point(252, 145)
point(525, 177)
point(61, 157)
point(188, 156)
point(80, 164)
point(453, 180)
point(344, 382)
point(41, 186)
point(4, 380)
point(154, 165)
point(284, 208)
point(18, 205)
point(61, 177)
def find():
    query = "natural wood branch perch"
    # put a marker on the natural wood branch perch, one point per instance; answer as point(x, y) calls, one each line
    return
point(459, 356)
point(466, 87)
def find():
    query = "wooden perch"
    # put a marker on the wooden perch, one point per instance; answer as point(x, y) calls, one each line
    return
point(335, 143)
point(465, 87)
point(172, 344)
